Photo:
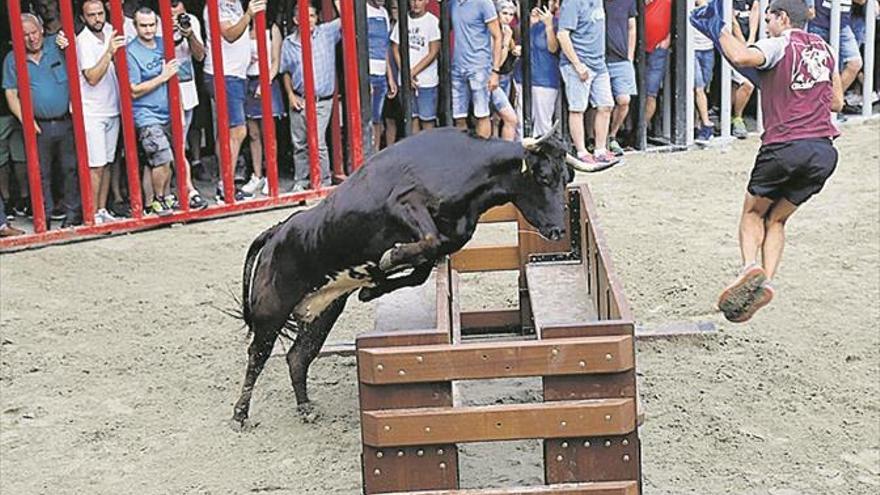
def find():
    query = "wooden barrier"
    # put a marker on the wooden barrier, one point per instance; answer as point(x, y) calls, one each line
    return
point(580, 341)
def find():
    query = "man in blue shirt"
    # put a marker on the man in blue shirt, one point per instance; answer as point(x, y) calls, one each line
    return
point(148, 73)
point(324, 38)
point(582, 39)
point(50, 96)
point(476, 61)
point(620, 49)
point(849, 58)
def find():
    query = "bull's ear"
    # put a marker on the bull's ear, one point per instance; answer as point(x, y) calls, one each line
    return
point(525, 167)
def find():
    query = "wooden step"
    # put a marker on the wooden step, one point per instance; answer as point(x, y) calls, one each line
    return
point(599, 488)
point(441, 425)
point(432, 363)
point(558, 293)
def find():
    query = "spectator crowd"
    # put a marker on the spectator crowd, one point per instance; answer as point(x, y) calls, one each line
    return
point(584, 50)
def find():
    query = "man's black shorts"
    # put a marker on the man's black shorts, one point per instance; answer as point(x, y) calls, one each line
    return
point(795, 170)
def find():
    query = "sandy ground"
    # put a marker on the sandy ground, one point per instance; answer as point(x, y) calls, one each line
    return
point(118, 375)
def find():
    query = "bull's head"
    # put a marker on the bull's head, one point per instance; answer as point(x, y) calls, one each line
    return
point(548, 167)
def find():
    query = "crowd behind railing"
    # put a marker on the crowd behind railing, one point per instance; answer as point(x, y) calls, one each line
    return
point(581, 53)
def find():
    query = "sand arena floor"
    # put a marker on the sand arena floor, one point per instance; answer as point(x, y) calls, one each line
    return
point(118, 376)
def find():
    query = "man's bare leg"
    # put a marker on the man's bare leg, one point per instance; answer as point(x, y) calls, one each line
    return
point(650, 108)
point(600, 127)
point(618, 115)
point(741, 96)
point(751, 227)
point(774, 237)
point(576, 129)
point(95, 174)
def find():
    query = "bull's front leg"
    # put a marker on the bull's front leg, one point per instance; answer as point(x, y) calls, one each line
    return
point(411, 211)
point(417, 277)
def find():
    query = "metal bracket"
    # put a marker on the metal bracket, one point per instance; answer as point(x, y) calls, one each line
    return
point(574, 229)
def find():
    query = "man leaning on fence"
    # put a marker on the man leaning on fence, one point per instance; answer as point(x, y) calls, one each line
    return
point(324, 38)
point(148, 73)
point(50, 96)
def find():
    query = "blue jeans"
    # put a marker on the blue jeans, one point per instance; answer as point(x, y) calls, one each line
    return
point(656, 70)
point(378, 90)
point(55, 144)
point(236, 88)
point(704, 64)
point(424, 104)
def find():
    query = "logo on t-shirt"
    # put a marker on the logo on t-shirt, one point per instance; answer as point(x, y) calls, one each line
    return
point(810, 66)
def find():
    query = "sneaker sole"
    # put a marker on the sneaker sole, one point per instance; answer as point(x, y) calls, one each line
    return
point(763, 296)
point(736, 296)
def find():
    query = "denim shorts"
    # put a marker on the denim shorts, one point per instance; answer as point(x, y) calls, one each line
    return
point(704, 64)
point(849, 47)
point(656, 70)
point(236, 88)
point(253, 105)
point(500, 101)
point(424, 104)
point(623, 79)
point(470, 86)
point(596, 89)
point(378, 90)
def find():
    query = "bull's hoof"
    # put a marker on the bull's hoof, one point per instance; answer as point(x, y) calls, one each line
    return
point(307, 412)
point(242, 425)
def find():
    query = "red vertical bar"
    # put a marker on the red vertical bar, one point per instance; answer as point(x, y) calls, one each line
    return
point(175, 108)
point(352, 84)
point(269, 145)
point(79, 127)
point(27, 116)
point(126, 117)
point(336, 165)
point(220, 103)
point(308, 73)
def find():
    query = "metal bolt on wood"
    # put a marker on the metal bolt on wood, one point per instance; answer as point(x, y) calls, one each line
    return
point(608, 357)
point(440, 452)
point(420, 359)
point(399, 453)
point(582, 364)
point(380, 367)
point(625, 442)
point(379, 455)
point(420, 452)
point(625, 458)
point(559, 458)
point(377, 471)
point(608, 443)
point(563, 424)
point(564, 445)
point(442, 465)
point(607, 417)
point(401, 372)
point(587, 444)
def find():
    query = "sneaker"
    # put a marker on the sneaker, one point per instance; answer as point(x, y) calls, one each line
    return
point(157, 207)
point(58, 213)
point(197, 202)
point(254, 185)
point(120, 209)
point(299, 187)
point(615, 147)
point(103, 216)
point(705, 133)
point(606, 159)
point(762, 297)
point(20, 208)
point(739, 130)
point(170, 201)
point(9, 231)
point(265, 190)
point(737, 296)
point(239, 195)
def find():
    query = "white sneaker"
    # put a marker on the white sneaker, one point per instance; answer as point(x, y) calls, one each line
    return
point(103, 216)
point(265, 190)
point(253, 185)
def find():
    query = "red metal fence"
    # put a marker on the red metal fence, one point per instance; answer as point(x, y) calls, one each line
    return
point(139, 221)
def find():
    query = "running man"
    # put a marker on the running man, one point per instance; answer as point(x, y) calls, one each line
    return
point(801, 87)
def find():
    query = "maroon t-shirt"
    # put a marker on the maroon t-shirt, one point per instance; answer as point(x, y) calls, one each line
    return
point(796, 87)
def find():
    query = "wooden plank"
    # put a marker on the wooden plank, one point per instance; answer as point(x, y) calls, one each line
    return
point(414, 364)
point(558, 294)
point(410, 468)
point(596, 459)
point(563, 419)
point(503, 213)
point(604, 488)
point(486, 259)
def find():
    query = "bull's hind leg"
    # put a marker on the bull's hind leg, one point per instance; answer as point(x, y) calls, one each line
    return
point(258, 352)
point(305, 349)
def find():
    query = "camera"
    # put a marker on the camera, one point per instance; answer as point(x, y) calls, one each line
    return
point(183, 21)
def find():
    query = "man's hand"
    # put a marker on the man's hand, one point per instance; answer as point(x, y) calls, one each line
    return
point(506, 35)
point(61, 40)
point(296, 103)
point(583, 71)
point(186, 32)
point(414, 82)
point(546, 16)
point(392, 89)
point(170, 68)
point(516, 51)
point(116, 42)
point(493, 81)
point(665, 43)
point(255, 7)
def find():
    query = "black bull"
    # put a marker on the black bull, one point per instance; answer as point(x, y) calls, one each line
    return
point(383, 229)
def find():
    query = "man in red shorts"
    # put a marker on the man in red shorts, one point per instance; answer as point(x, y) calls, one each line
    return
point(800, 87)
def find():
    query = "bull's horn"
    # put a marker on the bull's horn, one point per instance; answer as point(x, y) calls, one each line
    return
point(584, 167)
point(530, 143)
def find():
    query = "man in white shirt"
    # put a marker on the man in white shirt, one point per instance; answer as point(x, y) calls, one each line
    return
point(236, 51)
point(95, 47)
point(424, 46)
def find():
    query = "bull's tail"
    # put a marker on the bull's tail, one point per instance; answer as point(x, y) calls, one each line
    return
point(250, 263)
